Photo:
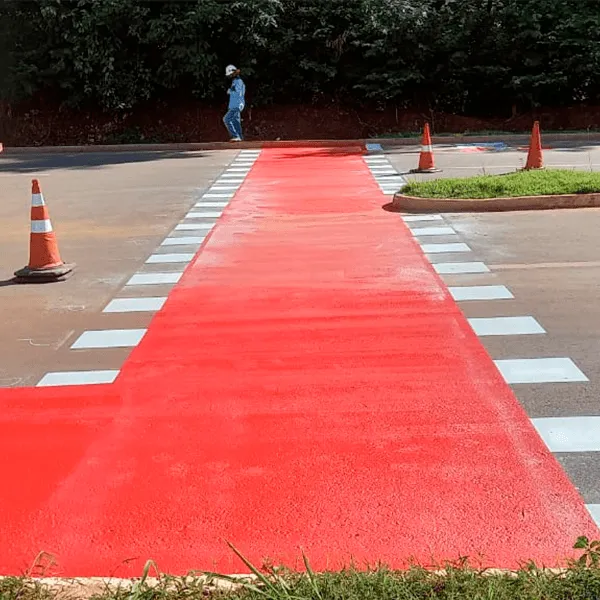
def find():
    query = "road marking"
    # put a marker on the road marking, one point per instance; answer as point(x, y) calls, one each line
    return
point(181, 241)
point(224, 188)
point(506, 326)
point(154, 278)
point(208, 214)
point(413, 218)
point(594, 510)
point(539, 370)
point(77, 378)
point(211, 204)
point(109, 338)
point(156, 259)
point(462, 267)
point(238, 170)
point(422, 231)
point(125, 305)
point(569, 434)
point(439, 248)
point(481, 292)
point(218, 195)
point(194, 226)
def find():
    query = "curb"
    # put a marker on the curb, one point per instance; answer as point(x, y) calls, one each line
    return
point(413, 204)
point(207, 146)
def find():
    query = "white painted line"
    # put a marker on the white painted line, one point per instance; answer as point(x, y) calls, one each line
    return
point(390, 179)
point(569, 434)
point(243, 163)
point(154, 278)
point(539, 370)
point(224, 188)
point(157, 259)
point(422, 231)
point(481, 292)
point(109, 338)
point(182, 241)
point(388, 192)
point(413, 218)
point(211, 204)
point(237, 170)
point(506, 326)
point(594, 510)
point(220, 195)
point(439, 248)
point(204, 214)
point(194, 227)
point(459, 268)
point(249, 152)
point(77, 378)
point(386, 171)
point(125, 305)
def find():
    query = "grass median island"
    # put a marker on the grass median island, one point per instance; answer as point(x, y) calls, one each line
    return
point(550, 182)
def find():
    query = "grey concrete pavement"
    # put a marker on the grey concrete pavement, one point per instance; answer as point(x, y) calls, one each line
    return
point(110, 212)
point(550, 262)
point(455, 162)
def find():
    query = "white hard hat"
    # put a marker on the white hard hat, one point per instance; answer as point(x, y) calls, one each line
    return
point(230, 69)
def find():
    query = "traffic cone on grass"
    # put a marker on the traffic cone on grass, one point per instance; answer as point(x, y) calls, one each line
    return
point(45, 263)
point(535, 159)
point(426, 160)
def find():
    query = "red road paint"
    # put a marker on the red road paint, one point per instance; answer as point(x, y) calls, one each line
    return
point(309, 383)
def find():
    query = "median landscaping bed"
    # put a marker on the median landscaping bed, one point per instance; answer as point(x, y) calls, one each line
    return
point(521, 190)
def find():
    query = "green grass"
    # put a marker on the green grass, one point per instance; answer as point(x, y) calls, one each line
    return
point(581, 581)
point(377, 584)
point(521, 183)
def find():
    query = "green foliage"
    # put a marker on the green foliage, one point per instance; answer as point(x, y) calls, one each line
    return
point(487, 57)
point(549, 182)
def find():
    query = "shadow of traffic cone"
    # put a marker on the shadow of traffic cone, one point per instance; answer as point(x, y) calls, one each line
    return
point(426, 160)
point(45, 263)
point(535, 159)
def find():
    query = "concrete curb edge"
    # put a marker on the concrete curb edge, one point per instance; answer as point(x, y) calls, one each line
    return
point(413, 204)
point(207, 146)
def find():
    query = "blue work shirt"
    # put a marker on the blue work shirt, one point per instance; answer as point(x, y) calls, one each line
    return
point(237, 93)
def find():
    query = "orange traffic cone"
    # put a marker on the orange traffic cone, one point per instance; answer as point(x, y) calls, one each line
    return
point(535, 159)
point(45, 263)
point(426, 160)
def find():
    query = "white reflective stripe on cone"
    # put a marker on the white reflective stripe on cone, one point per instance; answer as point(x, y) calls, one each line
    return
point(426, 148)
point(37, 200)
point(44, 226)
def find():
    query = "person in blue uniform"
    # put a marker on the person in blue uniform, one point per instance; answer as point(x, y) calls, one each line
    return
point(237, 92)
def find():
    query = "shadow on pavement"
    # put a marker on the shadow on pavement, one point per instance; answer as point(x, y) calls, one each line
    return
point(31, 163)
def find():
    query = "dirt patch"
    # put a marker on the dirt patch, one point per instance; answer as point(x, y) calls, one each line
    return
point(168, 123)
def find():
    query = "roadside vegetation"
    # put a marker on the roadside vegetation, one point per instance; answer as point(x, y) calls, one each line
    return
point(549, 182)
point(580, 581)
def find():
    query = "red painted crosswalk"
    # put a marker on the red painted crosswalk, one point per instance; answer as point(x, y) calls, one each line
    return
point(309, 384)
